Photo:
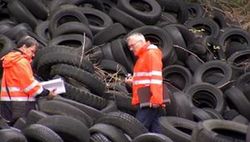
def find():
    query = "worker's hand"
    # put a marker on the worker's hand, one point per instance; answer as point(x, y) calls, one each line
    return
point(52, 94)
point(129, 79)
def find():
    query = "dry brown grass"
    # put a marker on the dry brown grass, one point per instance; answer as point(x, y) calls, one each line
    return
point(236, 10)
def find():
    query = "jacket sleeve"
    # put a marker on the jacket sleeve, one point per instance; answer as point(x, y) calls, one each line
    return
point(27, 81)
point(154, 65)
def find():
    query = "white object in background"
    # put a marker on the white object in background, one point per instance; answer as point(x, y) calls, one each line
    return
point(57, 84)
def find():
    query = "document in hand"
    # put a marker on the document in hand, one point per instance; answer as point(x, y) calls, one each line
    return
point(57, 84)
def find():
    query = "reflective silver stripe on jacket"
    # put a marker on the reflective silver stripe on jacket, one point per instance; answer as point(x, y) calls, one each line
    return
point(148, 81)
point(152, 73)
point(11, 89)
point(39, 91)
point(31, 86)
point(17, 99)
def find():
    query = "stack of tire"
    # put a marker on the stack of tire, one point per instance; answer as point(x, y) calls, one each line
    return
point(205, 56)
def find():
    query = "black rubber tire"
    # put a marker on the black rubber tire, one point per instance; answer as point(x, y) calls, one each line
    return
point(123, 100)
point(3, 124)
point(152, 137)
point(49, 49)
point(147, 11)
point(192, 63)
point(6, 46)
point(34, 116)
point(20, 123)
point(66, 13)
point(178, 129)
point(237, 60)
point(211, 27)
point(120, 87)
point(21, 13)
point(177, 7)
point(179, 106)
point(18, 31)
point(122, 54)
point(124, 18)
point(55, 4)
point(92, 112)
point(230, 114)
point(97, 19)
point(241, 119)
point(248, 134)
point(198, 47)
point(213, 113)
point(195, 10)
point(68, 128)
point(54, 107)
point(200, 114)
point(206, 95)
point(111, 132)
point(97, 4)
point(42, 31)
point(40, 133)
point(113, 31)
point(94, 84)
point(187, 35)
point(75, 41)
point(113, 66)
point(98, 137)
point(219, 17)
point(80, 3)
point(60, 56)
point(166, 19)
point(37, 8)
point(177, 40)
point(206, 131)
point(228, 34)
point(107, 52)
point(73, 28)
point(209, 68)
point(4, 27)
point(242, 83)
point(178, 75)
point(129, 124)
point(10, 135)
point(111, 107)
point(83, 96)
point(239, 100)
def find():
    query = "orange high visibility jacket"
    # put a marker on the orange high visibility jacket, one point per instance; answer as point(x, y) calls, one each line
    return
point(148, 73)
point(18, 75)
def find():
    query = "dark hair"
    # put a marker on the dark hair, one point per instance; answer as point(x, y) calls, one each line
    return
point(27, 40)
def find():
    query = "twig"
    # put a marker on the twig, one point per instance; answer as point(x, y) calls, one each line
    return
point(82, 53)
point(177, 46)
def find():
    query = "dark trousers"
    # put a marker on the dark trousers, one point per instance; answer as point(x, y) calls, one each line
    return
point(149, 118)
point(12, 110)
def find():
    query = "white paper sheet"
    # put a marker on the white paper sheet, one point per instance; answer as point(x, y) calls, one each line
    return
point(57, 84)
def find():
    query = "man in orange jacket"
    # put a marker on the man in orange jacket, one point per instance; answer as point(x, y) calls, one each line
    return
point(19, 88)
point(147, 81)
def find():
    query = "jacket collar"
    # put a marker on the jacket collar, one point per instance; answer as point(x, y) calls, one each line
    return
point(143, 49)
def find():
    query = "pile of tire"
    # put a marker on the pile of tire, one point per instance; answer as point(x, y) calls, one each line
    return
point(206, 62)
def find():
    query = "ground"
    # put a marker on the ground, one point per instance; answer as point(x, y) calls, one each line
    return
point(237, 10)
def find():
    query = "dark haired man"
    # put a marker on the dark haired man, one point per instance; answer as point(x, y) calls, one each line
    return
point(19, 88)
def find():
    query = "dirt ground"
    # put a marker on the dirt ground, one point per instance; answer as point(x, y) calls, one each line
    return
point(236, 10)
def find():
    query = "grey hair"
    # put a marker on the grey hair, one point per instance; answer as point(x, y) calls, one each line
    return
point(137, 36)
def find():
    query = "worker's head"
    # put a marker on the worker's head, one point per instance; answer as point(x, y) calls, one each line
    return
point(136, 41)
point(29, 43)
